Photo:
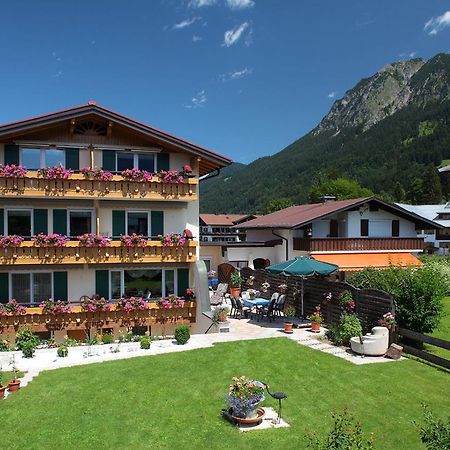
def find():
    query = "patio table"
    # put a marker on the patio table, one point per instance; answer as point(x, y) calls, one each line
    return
point(259, 301)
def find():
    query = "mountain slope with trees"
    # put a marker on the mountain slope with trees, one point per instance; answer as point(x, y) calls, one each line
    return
point(388, 134)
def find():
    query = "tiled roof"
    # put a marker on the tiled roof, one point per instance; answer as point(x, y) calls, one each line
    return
point(227, 220)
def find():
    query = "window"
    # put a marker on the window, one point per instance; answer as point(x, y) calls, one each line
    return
point(80, 222)
point(141, 161)
point(19, 222)
point(364, 227)
point(35, 158)
point(137, 222)
point(207, 264)
point(170, 281)
point(395, 228)
point(31, 287)
point(116, 284)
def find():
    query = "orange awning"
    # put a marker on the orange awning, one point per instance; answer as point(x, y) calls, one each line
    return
point(357, 261)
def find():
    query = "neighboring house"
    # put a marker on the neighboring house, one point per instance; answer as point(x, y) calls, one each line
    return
point(93, 136)
point(354, 234)
point(436, 241)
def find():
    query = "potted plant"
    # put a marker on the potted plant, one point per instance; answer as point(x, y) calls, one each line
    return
point(2, 386)
point(316, 319)
point(289, 312)
point(221, 314)
point(236, 282)
point(282, 288)
point(251, 293)
point(244, 396)
point(388, 321)
point(14, 384)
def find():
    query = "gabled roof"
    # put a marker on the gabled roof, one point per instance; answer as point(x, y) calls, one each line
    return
point(301, 215)
point(430, 212)
point(210, 160)
point(226, 220)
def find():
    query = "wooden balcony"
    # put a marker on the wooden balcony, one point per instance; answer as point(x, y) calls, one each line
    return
point(357, 244)
point(115, 253)
point(79, 187)
point(81, 320)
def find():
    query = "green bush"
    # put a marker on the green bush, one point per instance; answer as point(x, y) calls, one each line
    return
point(62, 351)
point(346, 434)
point(107, 338)
point(435, 433)
point(145, 342)
point(348, 326)
point(417, 292)
point(182, 334)
point(28, 349)
point(24, 336)
point(4, 345)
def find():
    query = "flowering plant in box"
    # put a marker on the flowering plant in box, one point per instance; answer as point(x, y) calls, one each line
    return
point(131, 304)
point(316, 316)
point(244, 395)
point(388, 321)
point(171, 301)
point(12, 171)
point(172, 239)
point(49, 240)
point(189, 294)
point(95, 304)
point(12, 308)
point(92, 240)
point(96, 173)
point(171, 176)
point(136, 175)
point(10, 241)
point(55, 307)
point(133, 240)
point(55, 173)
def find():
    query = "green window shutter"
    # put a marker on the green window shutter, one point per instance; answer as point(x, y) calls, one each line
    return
point(118, 223)
point(4, 287)
point(60, 286)
point(157, 223)
point(2, 221)
point(60, 221)
point(102, 283)
point(182, 281)
point(73, 158)
point(12, 154)
point(109, 160)
point(163, 160)
point(40, 219)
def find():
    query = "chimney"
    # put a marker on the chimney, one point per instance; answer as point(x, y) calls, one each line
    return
point(327, 198)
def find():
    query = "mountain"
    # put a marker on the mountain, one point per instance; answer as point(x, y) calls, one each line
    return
point(385, 133)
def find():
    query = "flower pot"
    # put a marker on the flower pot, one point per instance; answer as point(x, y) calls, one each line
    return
point(235, 291)
point(2, 391)
point(13, 385)
point(288, 327)
point(315, 327)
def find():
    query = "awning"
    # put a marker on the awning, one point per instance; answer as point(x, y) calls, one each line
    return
point(348, 262)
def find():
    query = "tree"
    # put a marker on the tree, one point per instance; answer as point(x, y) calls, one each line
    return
point(278, 203)
point(432, 192)
point(341, 188)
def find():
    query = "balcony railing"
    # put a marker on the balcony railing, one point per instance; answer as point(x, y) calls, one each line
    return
point(79, 187)
point(357, 244)
point(75, 253)
point(81, 320)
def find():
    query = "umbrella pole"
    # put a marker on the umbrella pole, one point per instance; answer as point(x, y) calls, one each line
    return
point(303, 315)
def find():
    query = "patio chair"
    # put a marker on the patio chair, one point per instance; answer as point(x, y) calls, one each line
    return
point(241, 310)
point(279, 305)
point(218, 296)
point(267, 311)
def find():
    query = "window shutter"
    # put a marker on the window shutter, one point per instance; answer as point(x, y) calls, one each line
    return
point(60, 286)
point(60, 221)
point(73, 158)
point(163, 160)
point(12, 154)
point(102, 283)
point(395, 228)
point(4, 287)
point(157, 223)
point(40, 219)
point(118, 224)
point(364, 227)
point(2, 221)
point(182, 281)
point(109, 160)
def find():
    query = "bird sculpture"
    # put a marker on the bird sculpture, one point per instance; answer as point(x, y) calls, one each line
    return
point(277, 396)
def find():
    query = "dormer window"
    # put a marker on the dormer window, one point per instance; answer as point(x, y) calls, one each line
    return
point(35, 158)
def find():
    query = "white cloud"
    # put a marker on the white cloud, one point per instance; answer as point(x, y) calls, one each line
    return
point(57, 74)
point(196, 38)
point(232, 36)
point(201, 3)
point(198, 101)
point(240, 4)
point(436, 24)
point(332, 94)
point(408, 55)
point(185, 23)
point(235, 75)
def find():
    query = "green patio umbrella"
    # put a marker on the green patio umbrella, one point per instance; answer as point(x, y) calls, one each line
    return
point(303, 266)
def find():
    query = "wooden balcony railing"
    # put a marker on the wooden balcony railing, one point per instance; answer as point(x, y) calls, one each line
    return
point(357, 244)
point(74, 253)
point(79, 187)
point(81, 320)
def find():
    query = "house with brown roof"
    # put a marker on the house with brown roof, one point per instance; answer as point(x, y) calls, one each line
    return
point(217, 227)
point(354, 234)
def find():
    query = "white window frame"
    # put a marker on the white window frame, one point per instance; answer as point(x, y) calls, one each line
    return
point(5, 219)
point(136, 158)
point(93, 218)
point(42, 162)
point(15, 272)
point(149, 220)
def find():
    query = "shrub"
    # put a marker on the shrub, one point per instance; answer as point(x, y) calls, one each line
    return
point(182, 334)
point(145, 342)
point(62, 351)
point(24, 336)
point(346, 434)
point(417, 292)
point(28, 349)
point(107, 338)
point(348, 326)
point(435, 433)
point(4, 345)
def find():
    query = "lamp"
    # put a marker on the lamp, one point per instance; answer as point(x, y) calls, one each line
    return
point(277, 396)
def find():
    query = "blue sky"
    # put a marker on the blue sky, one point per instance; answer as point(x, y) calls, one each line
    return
point(242, 77)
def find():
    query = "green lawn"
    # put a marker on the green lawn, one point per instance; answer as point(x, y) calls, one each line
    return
point(442, 332)
point(174, 400)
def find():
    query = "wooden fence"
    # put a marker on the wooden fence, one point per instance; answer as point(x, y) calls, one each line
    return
point(371, 304)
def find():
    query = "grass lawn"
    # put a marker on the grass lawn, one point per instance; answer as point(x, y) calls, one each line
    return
point(174, 400)
point(443, 332)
